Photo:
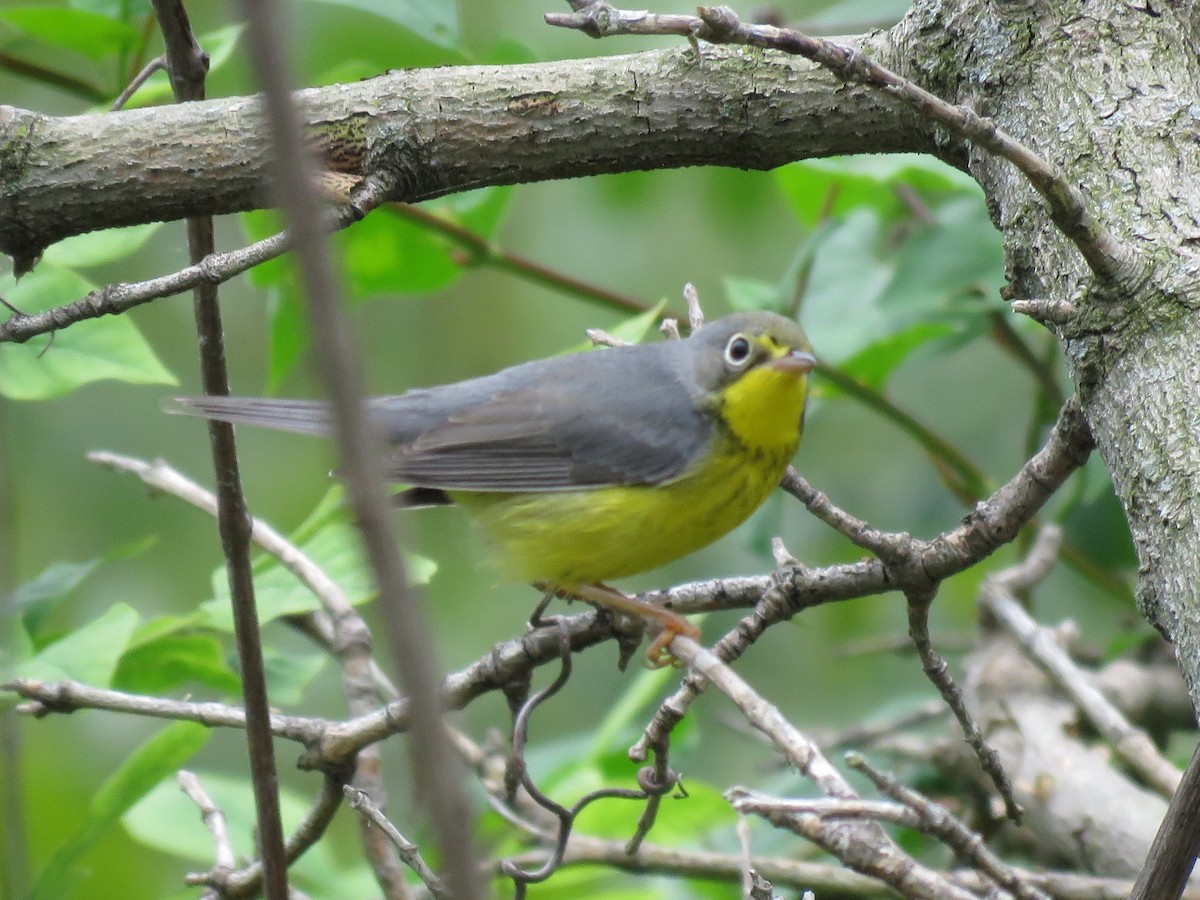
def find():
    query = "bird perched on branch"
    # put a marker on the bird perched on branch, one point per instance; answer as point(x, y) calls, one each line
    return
point(593, 466)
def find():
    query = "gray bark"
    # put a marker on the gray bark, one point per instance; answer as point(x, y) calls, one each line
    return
point(1109, 92)
point(437, 131)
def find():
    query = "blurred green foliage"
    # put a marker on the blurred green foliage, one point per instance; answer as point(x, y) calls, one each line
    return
point(890, 263)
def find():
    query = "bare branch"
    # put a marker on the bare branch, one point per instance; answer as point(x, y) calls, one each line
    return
point(936, 669)
point(421, 128)
point(248, 882)
point(1132, 744)
point(863, 847)
point(408, 850)
point(214, 268)
point(213, 817)
point(187, 65)
point(937, 821)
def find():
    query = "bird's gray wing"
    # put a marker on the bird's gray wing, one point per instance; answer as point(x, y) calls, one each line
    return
point(617, 416)
point(624, 415)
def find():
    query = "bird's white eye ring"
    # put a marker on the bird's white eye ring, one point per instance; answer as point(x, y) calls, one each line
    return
point(737, 351)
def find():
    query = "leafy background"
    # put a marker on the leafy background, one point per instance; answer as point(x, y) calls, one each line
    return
point(890, 263)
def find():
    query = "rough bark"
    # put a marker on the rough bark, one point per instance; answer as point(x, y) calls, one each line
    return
point(437, 131)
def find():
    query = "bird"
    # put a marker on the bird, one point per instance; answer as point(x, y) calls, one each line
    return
point(593, 466)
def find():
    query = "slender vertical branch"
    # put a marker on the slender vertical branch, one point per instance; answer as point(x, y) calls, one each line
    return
point(435, 776)
point(187, 66)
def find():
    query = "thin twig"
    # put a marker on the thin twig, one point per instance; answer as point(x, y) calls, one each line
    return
point(517, 776)
point(77, 86)
point(934, 665)
point(409, 852)
point(863, 846)
point(187, 66)
point(825, 879)
point(435, 775)
point(215, 268)
point(959, 473)
point(155, 65)
point(213, 817)
point(485, 252)
point(248, 882)
point(1010, 341)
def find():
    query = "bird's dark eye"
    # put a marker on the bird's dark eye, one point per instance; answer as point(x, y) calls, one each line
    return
point(737, 351)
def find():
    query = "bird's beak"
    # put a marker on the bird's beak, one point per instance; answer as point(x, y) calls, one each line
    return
point(796, 361)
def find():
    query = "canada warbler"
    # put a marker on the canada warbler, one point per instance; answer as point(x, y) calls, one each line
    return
point(594, 466)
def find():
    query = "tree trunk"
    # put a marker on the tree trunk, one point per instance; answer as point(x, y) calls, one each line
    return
point(1108, 91)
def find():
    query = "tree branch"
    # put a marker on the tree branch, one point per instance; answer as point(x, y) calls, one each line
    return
point(436, 131)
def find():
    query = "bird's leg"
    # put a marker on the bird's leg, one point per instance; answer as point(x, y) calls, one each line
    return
point(672, 623)
point(549, 592)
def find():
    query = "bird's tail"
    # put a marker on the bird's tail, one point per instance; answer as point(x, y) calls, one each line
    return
point(300, 416)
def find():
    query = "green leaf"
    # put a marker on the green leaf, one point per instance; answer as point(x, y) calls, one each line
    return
point(38, 598)
point(289, 335)
point(88, 654)
point(637, 328)
point(114, 9)
point(110, 347)
point(257, 225)
point(289, 674)
point(99, 247)
point(596, 882)
point(848, 276)
point(1099, 528)
point(16, 646)
point(633, 330)
point(960, 256)
point(481, 210)
point(173, 661)
point(645, 690)
point(867, 290)
point(874, 364)
point(167, 821)
point(385, 254)
point(90, 34)
point(747, 294)
point(434, 20)
point(681, 820)
point(156, 759)
point(334, 545)
point(833, 187)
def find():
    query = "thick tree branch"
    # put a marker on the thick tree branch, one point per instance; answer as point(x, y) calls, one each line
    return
point(440, 130)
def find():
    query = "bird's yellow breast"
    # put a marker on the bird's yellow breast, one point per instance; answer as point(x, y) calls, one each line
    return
point(584, 537)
